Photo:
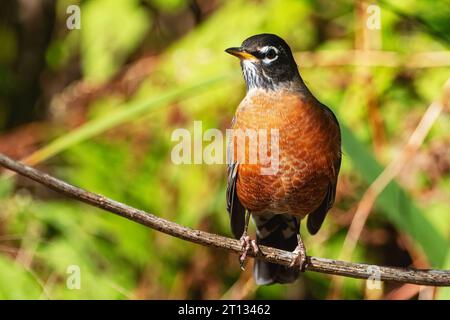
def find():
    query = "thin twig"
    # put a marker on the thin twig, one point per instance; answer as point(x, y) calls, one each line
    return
point(322, 265)
point(372, 58)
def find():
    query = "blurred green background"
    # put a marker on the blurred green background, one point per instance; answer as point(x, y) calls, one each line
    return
point(97, 106)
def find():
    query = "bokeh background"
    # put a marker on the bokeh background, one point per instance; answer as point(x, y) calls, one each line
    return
point(97, 106)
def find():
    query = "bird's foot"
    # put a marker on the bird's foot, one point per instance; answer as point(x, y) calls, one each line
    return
point(300, 257)
point(247, 244)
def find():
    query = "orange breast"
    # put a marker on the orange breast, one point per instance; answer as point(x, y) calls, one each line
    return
point(309, 144)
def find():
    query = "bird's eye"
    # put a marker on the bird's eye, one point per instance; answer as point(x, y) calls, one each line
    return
point(271, 54)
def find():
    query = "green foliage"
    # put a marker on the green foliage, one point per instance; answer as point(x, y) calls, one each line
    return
point(396, 204)
point(17, 282)
point(5, 187)
point(169, 5)
point(127, 113)
point(111, 30)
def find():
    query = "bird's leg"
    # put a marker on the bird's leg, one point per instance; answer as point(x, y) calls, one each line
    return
point(246, 242)
point(300, 254)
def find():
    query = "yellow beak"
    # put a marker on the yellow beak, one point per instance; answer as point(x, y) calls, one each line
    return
point(240, 53)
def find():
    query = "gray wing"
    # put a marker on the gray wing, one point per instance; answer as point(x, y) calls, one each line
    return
point(315, 219)
point(234, 207)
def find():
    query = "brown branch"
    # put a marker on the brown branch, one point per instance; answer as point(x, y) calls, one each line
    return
point(335, 267)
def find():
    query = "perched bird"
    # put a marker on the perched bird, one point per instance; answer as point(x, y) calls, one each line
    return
point(309, 155)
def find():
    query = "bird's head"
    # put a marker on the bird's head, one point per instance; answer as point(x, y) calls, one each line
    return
point(267, 62)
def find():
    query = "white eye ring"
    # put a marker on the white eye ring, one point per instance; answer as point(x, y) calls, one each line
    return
point(267, 49)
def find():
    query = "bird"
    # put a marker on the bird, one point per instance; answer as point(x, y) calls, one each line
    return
point(309, 158)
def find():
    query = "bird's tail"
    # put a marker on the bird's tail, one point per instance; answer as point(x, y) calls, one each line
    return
point(278, 231)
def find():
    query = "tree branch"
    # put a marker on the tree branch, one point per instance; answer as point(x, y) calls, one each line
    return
point(336, 267)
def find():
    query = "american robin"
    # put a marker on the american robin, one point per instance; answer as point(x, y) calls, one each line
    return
point(309, 155)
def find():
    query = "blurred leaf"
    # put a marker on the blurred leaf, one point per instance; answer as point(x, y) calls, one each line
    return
point(126, 113)
point(110, 30)
point(169, 5)
point(6, 187)
point(395, 203)
point(17, 282)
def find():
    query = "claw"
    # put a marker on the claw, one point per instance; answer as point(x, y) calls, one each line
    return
point(299, 259)
point(300, 256)
point(254, 246)
point(247, 244)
